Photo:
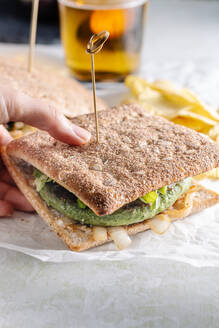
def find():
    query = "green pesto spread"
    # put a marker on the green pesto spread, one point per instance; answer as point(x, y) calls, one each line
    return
point(68, 204)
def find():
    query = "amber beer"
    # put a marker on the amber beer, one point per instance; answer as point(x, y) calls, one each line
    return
point(121, 55)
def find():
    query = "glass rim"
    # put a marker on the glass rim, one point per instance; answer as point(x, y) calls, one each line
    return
point(97, 5)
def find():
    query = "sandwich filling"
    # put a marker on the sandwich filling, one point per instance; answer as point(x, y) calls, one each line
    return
point(139, 210)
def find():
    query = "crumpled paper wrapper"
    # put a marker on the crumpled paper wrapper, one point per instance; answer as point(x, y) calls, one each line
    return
point(193, 240)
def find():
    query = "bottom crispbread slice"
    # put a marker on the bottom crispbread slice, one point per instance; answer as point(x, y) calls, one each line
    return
point(79, 237)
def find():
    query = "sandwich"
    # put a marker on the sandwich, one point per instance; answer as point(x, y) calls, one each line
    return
point(48, 83)
point(138, 177)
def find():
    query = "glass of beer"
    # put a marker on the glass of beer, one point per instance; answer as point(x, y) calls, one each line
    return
point(123, 19)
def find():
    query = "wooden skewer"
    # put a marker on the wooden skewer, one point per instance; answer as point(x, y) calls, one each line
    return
point(93, 47)
point(33, 29)
point(94, 96)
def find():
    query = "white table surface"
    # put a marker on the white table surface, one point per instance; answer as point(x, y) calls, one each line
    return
point(154, 293)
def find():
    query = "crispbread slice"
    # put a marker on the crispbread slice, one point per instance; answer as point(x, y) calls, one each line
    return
point(79, 237)
point(47, 83)
point(137, 153)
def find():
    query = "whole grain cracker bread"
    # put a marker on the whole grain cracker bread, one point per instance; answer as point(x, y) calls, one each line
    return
point(137, 153)
point(79, 237)
point(49, 84)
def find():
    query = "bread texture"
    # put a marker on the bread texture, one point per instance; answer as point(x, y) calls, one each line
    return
point(47, 83)
point(79, 237)
point(137, 153)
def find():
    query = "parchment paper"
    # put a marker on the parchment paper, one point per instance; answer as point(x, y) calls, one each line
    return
point(194, 240)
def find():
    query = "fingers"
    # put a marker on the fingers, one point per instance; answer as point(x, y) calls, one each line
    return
point(3, 189)
point(6, 208)
point(12, 197)
point(34, 112)
point(17, 199)
point(5, 177)
point(5, 137)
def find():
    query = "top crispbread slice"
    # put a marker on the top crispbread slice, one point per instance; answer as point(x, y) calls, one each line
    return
point(49, 84)
point(137, 153)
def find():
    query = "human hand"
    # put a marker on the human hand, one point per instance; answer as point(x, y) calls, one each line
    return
point(15, 106)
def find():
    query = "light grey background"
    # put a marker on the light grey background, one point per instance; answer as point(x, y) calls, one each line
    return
point(183, 29)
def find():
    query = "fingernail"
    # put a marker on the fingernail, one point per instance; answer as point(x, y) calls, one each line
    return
point(84, 135)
